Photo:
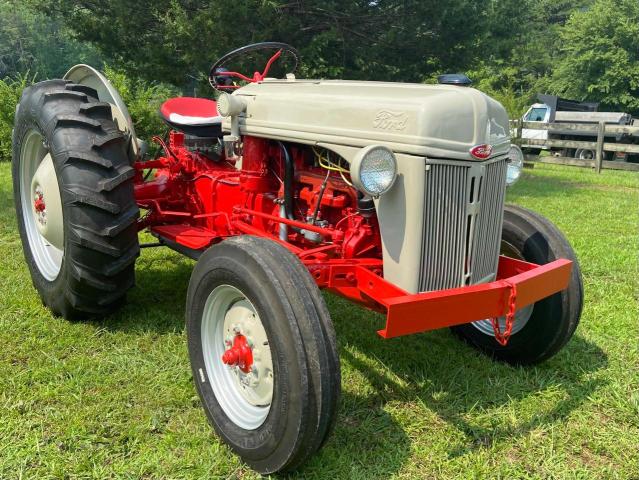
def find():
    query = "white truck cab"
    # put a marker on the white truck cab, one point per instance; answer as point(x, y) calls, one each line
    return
point(538, 112)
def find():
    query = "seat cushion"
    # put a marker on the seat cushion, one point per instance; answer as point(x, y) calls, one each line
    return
point(193, 116)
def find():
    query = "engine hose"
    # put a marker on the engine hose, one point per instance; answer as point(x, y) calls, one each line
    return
point(289, 175)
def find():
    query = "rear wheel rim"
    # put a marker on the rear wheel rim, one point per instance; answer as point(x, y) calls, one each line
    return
point(245, 398)
point(47, 257)
point(521, 316)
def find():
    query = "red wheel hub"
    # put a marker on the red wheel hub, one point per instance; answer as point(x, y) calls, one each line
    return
point(239, 354)
point(39, 204)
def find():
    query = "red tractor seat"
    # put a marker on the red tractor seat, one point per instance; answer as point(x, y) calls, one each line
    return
point(193, 116)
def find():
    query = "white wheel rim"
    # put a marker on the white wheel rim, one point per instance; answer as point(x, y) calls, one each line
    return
point(521, 316)
point(33, 156)
point(521, 319)
point(586, 154)
point(244, 398)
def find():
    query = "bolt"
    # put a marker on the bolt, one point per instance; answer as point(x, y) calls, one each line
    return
point(236, 329)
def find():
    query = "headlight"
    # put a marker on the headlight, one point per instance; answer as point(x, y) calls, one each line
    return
point(515, 165)
point(373, 170)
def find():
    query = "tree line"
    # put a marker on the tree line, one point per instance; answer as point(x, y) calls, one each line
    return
point(512, 49)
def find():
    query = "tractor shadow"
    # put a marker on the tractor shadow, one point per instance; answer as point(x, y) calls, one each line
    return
point(430, 383)
point(157, 303)
point(366, 441)
point(451, 383)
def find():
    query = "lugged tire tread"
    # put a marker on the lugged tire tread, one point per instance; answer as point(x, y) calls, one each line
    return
point(96, 107)
point(124, 220)
point(109, 184)
point(96, 184)
point(76, 87)
point(108, 139)
point(115, 268)
point(65, 94)
point(97, 243)
point(90, 196)
point(82, 276)
point(80, 121)
point(87, 157)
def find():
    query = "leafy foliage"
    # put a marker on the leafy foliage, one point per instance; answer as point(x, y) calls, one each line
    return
point(177, 40)
point(600, 60)
point(512, 49)
point(10, 91)
point(143, 99)
point(31, 41)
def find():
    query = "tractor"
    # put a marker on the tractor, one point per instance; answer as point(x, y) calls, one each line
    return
point(391, 195)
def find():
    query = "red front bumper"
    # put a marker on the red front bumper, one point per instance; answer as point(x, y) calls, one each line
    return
point(408, 314)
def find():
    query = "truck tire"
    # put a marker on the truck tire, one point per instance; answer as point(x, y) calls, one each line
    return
point(585, 154)
point(531, 151)
point(542, 329)
point(73, 193)
point(277, 412)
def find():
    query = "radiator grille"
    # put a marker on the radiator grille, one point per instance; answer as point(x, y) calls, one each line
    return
point(463, 214)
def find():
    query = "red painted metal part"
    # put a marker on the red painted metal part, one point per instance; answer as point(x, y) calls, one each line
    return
point(39, 204)
point(408, 314)
point(257, 76)
point(239, 354)
point(196, 201)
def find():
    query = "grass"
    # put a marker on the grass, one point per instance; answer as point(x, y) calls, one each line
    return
point(114, 398)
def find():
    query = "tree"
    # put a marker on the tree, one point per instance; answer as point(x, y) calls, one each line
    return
point(177, 40)
point(31, 41)
point(600, 60)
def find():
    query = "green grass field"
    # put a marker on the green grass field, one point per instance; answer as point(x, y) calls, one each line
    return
point(114, 398)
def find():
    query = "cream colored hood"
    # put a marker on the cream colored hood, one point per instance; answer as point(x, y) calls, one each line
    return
point(436, 121)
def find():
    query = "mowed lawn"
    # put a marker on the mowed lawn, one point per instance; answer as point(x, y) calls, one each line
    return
point(114, 398)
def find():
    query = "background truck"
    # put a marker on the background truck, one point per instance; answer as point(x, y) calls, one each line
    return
point(552, 109)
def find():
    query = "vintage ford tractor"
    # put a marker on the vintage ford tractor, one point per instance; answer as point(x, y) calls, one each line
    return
point(388, 194)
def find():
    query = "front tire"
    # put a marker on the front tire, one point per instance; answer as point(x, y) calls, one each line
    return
point(542, 329)
point(73, 192)
point(252, 290)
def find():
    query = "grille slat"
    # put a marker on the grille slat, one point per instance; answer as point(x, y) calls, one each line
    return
point(486, 248)
point(447, 256)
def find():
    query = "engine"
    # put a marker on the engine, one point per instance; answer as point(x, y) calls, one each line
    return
point(194, 183)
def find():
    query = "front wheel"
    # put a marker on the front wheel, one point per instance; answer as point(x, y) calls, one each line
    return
point(263, 352)
point(539, 330)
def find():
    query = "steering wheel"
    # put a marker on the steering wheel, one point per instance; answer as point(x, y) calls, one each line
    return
point(221, 79)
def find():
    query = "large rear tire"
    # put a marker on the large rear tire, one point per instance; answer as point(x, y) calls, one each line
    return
point(279, 412)
point(542, 329)
point(73, 192)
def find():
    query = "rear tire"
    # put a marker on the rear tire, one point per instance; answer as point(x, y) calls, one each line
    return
point(301, 342)
point(552, 321)
point(94, 264)
point(531, 151)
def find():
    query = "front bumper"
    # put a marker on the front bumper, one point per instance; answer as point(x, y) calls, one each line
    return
point(408, 314)
point(414, 313)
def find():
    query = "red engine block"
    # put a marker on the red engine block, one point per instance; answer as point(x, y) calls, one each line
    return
point(195, 200)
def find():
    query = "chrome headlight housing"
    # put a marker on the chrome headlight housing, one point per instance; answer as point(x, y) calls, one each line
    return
point(374, 170)
point(515, 165)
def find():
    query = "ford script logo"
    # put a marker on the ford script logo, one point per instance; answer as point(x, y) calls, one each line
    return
point(388, 120)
